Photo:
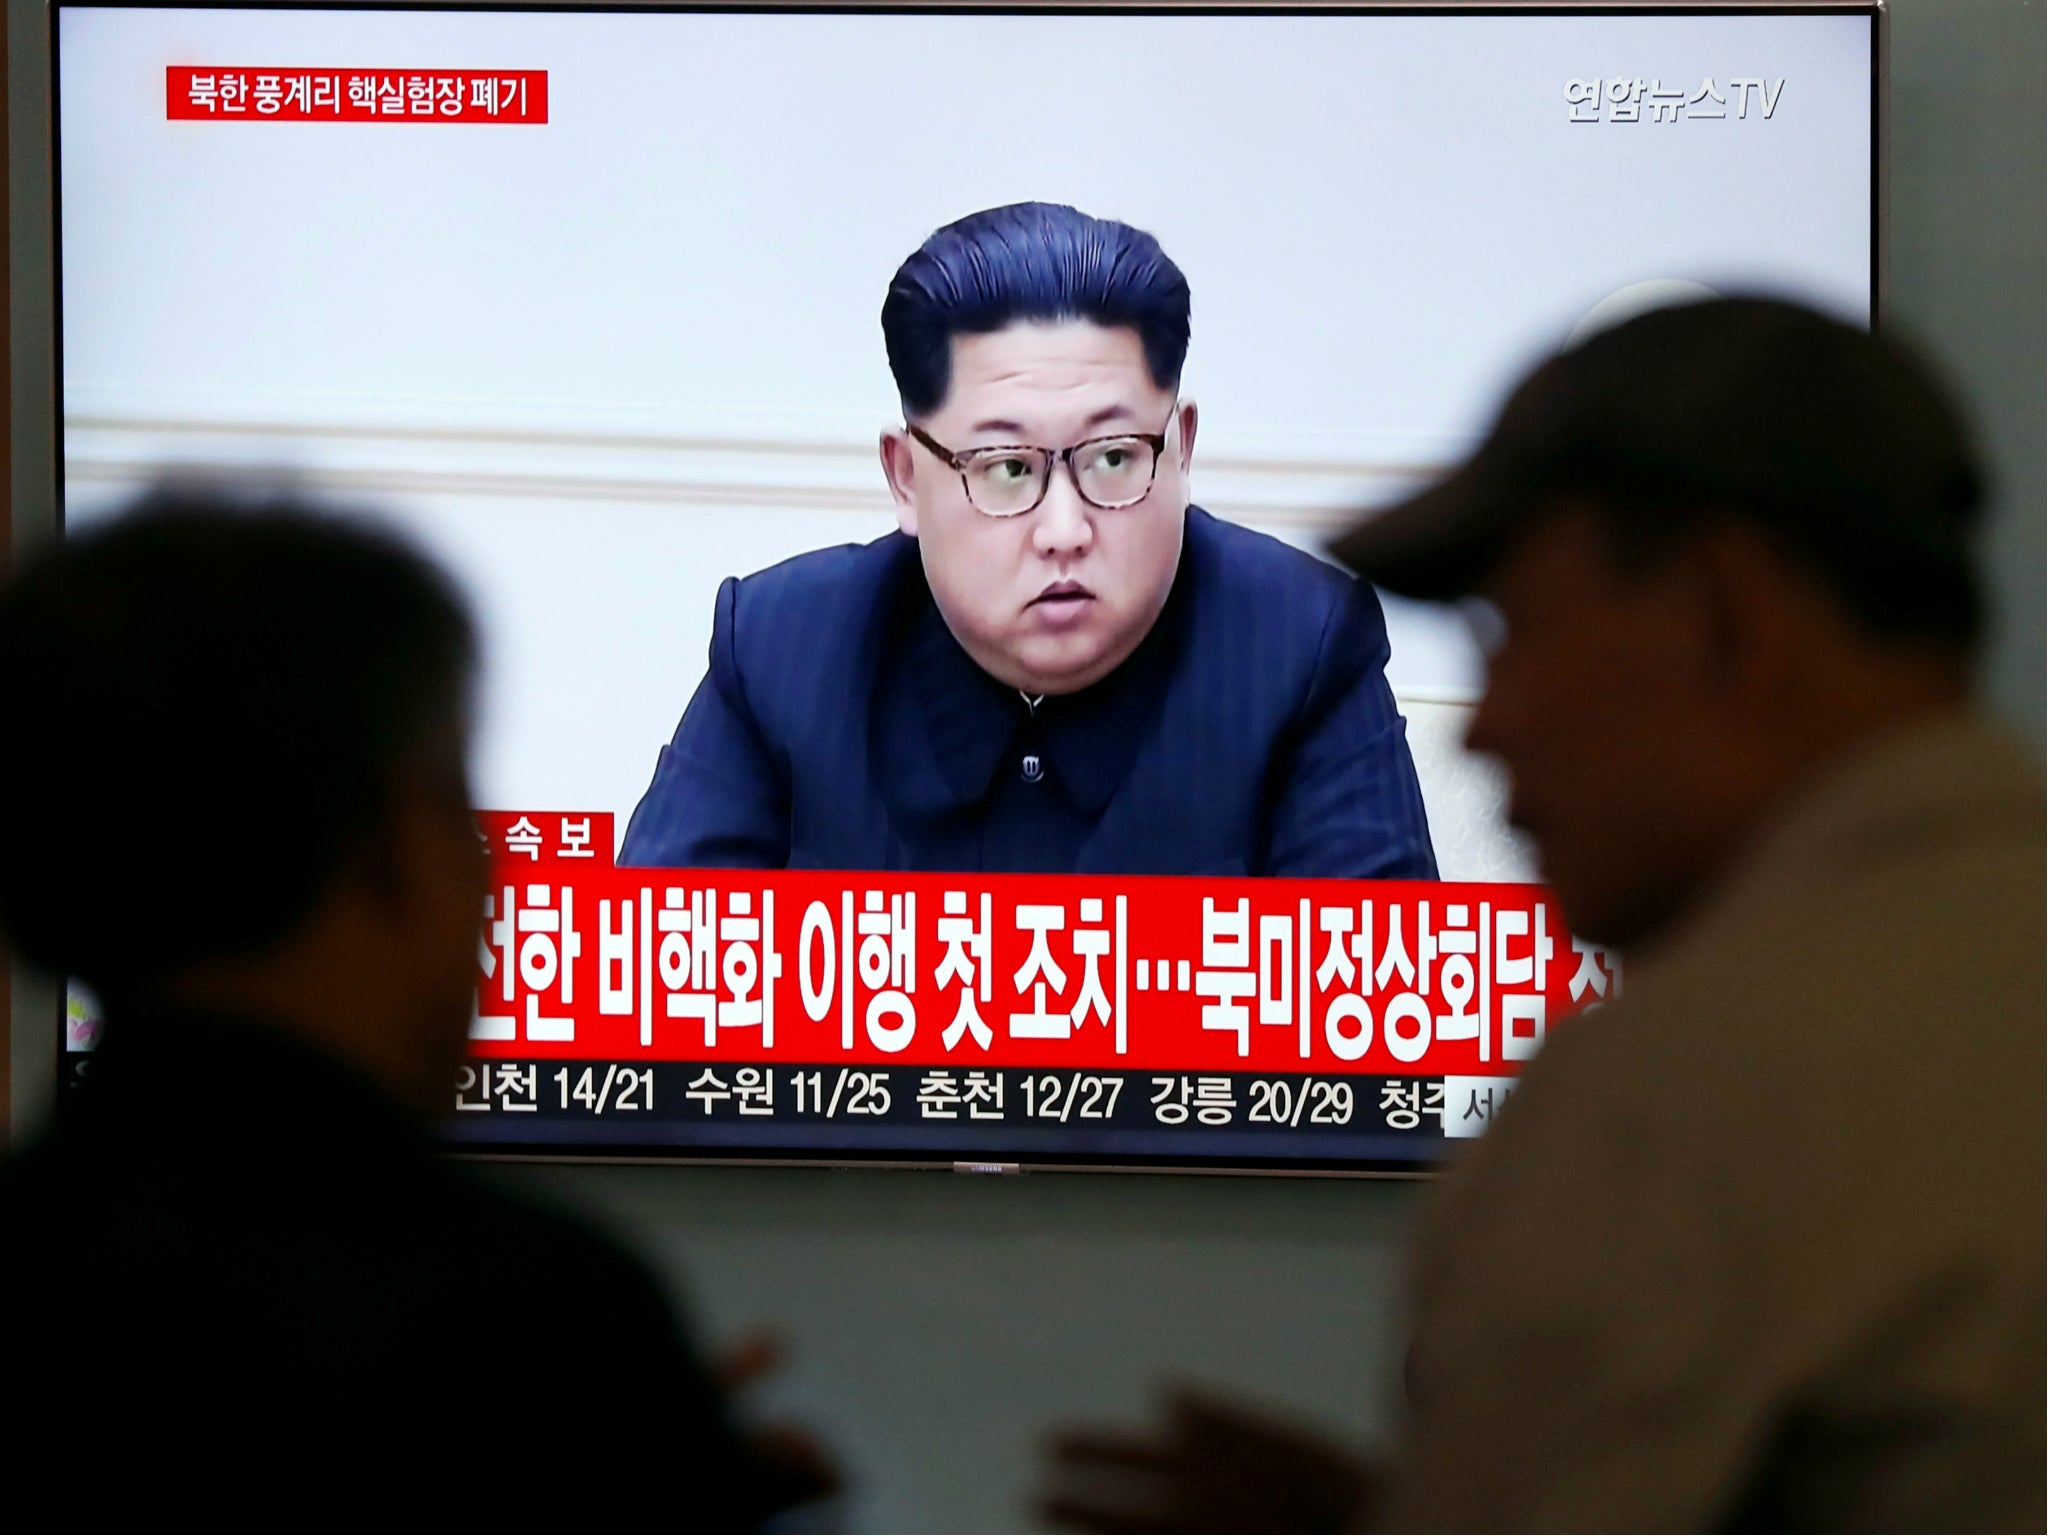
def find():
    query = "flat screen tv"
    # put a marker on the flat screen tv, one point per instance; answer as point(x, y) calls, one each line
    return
point(1017, 807)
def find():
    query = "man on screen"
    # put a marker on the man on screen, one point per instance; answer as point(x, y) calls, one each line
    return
point(1058, 663)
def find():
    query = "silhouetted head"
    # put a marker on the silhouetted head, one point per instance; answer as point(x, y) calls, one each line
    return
point(225, 717)
point(1722, 543)
point(1044, 459)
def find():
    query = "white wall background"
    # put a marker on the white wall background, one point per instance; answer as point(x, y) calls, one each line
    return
point(599, 365)
point(938, 1323)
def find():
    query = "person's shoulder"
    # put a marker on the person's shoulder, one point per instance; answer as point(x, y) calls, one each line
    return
point(1266, 580)
point(1258, 596)
point(814, 608)
point(838, 578)
point(1790, 1019)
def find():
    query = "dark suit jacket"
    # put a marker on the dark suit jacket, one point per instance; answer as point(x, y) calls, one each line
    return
point(242, 1289)
point(842, 727)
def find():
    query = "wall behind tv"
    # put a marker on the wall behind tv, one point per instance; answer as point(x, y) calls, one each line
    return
point(1966, 276)
point(938, 1324)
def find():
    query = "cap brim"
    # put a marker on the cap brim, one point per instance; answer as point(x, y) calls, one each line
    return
point(1438, 544)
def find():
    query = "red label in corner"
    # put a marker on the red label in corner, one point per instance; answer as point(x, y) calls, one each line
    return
point(300, 95)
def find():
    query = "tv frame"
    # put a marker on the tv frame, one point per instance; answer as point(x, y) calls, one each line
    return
point(32, 1004)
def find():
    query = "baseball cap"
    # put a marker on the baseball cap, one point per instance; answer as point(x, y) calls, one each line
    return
point(1838, 440)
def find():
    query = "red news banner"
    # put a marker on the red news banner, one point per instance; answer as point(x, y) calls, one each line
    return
point(299, 94)
point(581, 960)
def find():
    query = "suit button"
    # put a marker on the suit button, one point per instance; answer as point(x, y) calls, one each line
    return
point(1034, 769)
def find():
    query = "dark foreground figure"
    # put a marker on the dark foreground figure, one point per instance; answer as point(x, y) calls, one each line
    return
point(242, 1286)
point(1759, 1244)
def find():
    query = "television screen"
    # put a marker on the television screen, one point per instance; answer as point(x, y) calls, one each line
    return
point(890, 453)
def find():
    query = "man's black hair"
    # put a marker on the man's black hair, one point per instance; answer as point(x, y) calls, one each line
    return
point(1029, 261)
point(207, 701)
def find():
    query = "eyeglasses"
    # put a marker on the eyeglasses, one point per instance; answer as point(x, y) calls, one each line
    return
point(1008, 481)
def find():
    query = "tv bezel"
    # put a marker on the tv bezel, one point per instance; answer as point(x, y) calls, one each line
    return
point(36, 493)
